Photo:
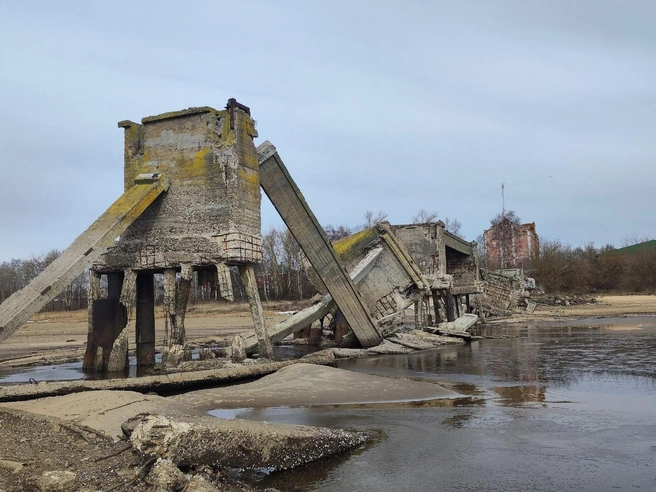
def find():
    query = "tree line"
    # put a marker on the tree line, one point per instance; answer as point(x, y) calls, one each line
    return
point(17, 273)
point(588, 269)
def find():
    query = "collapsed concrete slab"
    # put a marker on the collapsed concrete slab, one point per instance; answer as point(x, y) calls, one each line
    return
point(506, 292)
point(194, 441)
point(384, 274)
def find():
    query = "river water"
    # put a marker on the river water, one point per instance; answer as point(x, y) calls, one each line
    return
point(556, 406)
point(553, 406)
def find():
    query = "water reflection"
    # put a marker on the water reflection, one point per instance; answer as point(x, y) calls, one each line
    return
point(514, 396)
point(534, 360)
point(71, 371)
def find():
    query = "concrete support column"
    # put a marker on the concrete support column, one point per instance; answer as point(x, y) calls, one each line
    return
point(450, 307)
point(225, 282)
point(170, 286)
point(247, 275)
point(436, 306)
point(92, 346)
point(125, 293)
point(178, 335)
point(145, 319)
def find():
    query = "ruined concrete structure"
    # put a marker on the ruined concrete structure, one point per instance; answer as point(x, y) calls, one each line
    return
point(451, 265)
point(208, 220)
point(511, 245)
point(386, 278)
point(191, 206)
point(505, 291)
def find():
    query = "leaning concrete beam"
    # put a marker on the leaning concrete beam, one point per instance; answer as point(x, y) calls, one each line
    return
point(295, 212)
point(86, 249)
point(310, 314)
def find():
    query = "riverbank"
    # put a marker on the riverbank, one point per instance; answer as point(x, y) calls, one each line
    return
point(603, 306)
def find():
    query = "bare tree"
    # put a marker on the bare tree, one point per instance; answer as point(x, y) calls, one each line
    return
point(423, 216)
point(453, 226)
point(371, 218)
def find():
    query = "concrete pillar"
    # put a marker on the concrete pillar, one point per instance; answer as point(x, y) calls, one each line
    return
point(107, 319)
point(225, 282)
point(178, 335)
point(118, 358)
point(247, 275)
point(436, 307)
point(450, 307)
point(145, 319)
point(170, 286)
point(94, 294)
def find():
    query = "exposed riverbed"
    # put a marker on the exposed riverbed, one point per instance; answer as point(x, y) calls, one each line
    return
point(560, 406)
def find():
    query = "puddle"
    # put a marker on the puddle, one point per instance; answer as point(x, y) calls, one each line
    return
point(71, 371)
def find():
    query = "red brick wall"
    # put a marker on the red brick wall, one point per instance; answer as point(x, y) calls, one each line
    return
point(510, 245)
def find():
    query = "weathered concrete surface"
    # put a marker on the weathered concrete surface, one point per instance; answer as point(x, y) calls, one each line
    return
point(460, 325)
point(393, 281)
point(160, 383)
point(193, 441)
point(86, 249)
point(310, 384)
point(102, 410)
point(165, 476)
point(212, 213)
point(264, 345)
point(118, 359)
point(297, 215)
point(383, 272)
point(319, 309)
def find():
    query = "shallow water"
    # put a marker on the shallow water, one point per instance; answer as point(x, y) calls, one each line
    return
point(71, 371)
point(560, 406)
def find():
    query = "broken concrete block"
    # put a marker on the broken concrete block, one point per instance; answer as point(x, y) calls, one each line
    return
point(437, 340)
point(348, 353)
point(237, 349)
point(206, 354)
point(412, 341)
point(188, 441)
point(174, 355)
point(57, 481)
point(388, 347)
point(462, 324)
point(118, 358)
point(165, 476)
point(530, 307)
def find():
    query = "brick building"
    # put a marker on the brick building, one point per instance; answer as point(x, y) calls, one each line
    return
point(509, 244)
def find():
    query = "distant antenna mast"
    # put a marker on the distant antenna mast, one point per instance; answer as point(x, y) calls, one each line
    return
point(503, 200)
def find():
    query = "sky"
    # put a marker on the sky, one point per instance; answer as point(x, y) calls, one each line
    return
point(373, 105)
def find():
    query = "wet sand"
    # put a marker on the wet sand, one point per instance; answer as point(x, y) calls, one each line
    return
point(296, 385)
point(306, 385)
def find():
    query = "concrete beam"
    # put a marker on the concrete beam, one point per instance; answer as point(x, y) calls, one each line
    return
point(297, 215)
point(85, 250)
point(454, 242)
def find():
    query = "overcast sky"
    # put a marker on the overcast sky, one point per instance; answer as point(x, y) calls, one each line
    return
point(381, 105)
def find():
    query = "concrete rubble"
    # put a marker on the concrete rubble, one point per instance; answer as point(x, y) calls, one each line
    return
point(506, 292)
point(187, 441)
